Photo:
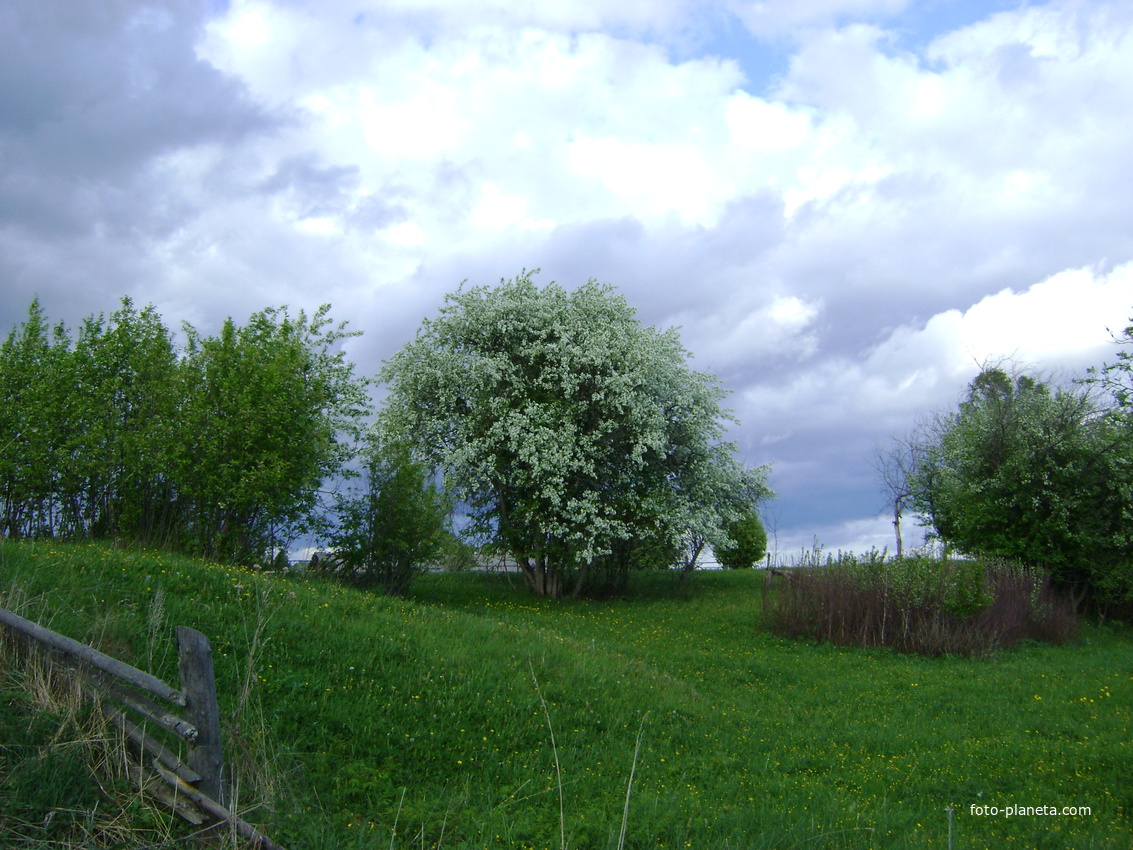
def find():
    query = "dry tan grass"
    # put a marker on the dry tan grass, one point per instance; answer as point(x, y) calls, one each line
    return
point(135, 809)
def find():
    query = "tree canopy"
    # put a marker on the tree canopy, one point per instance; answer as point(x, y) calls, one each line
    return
point(573, 438)
point(393, 524)
point(271, 410)
point(218, 449)
point(578, 439)
point(1040, 475)
point(747, 544)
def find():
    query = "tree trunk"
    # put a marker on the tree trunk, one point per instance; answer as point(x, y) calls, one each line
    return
point(542, 578)
point(696, 546)
point(897, 530)
point(581, 580)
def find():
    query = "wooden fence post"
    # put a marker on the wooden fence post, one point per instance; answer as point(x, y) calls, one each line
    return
point(200, 777)
point(206, 757)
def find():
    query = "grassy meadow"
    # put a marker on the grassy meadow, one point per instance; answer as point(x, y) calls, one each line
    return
point(359, 721)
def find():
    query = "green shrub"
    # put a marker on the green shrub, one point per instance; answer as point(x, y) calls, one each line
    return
point(1037, 474)
point(748, 546)
point(457, 554)
point(393, 525)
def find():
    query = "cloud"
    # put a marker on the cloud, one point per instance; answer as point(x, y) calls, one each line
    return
point(822, 424)
point(1008, 115)
point(1063, 322)
point(637, 16)
point(92, 95)
point(775, 328)
point(573, 124)
point(1064, 319)
point(841, 248)
point(111, 137)
point(771, 18)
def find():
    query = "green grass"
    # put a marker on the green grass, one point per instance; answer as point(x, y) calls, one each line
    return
point(62, 785)
point(48, 775)
point(363, 712)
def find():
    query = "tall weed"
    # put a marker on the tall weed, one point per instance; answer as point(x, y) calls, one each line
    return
point(919, 604)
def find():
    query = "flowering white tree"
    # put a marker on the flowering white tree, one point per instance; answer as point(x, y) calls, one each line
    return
point(578, 438)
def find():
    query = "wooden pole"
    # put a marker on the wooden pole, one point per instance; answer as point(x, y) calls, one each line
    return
point(217, 811)
point(96, 659)
point(200, 725)
point(206, 757)
point(150, 746)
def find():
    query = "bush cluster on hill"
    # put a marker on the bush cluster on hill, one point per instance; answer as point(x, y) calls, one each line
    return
point(216, 448)
point(1037, 474)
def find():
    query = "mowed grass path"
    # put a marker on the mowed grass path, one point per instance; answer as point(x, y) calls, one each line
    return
point(367, 712)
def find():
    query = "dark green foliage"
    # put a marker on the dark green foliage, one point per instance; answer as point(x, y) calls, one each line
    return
point(1034, 475)
point(457, 554)
point(610, 572)
point(266, 407)
point(92, 448)
point(393, 525)
point(219, 449)
point(123, 446)
point(35, 381)
point(1117, 379)
point(748, 543)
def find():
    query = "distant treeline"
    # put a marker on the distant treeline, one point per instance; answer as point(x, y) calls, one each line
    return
point(217, 446)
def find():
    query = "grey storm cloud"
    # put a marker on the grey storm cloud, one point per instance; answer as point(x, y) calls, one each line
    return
point(91, 95)
point(97, 103)
point(906, 190)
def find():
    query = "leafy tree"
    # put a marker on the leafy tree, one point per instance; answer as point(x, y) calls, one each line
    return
point(120, 479)
point(270, 412)
point(1036, 475)
point(1117, 380)
point(748, 543)
point(35, 379)
point(577, 438)
point(220, 449)
point(392, 526)
point(457, 554)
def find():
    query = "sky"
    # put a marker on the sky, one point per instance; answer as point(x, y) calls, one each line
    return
point(846, 206)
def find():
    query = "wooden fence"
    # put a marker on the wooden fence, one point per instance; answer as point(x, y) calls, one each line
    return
point(196, 784)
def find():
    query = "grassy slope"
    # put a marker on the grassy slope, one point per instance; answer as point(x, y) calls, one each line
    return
point(366, 711)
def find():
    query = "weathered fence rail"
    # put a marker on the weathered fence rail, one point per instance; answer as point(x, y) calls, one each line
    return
point(196, 783)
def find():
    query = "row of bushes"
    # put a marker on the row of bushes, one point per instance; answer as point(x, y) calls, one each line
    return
point(920, 604)
point(218, 446)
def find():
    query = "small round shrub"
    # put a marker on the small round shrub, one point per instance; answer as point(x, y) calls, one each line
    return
point(748, 546)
